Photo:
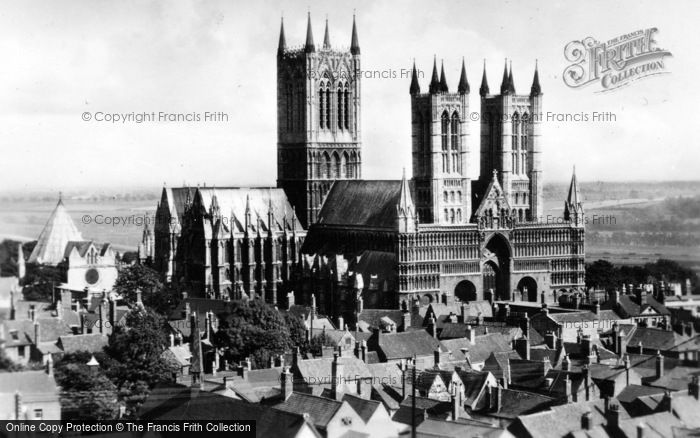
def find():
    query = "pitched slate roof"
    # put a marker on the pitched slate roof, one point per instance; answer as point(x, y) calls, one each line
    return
point(320, 370)
point(407, 344)
point(656, 339)
point(386, 373)
point(361, 203)
point(33, 385)
point(58, 231)
point(628, 306)
point(320, 409)
point(364, 408)
point(457, 429)
point(424, 407)
point(561, 420)
point(87, 342)
point(515, 402)
point(482, 348)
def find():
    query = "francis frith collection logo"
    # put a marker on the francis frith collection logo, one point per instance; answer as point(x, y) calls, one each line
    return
point(614, 63)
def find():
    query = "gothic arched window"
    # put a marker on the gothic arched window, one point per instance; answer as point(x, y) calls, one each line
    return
point(445, 127)
point(321, 107)
point(523, 141)
point(421, 144)
point(346, 107)
point(340, 106)
point(454, 142)
point(452, 216)
point(326, 165)
point(446, 196)
point(459, 215)
point(515, 134)
point(335, 166)
point(344, 168)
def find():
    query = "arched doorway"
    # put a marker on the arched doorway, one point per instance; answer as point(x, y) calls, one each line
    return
point(496, 267)
point(466, 291)
point(528, 287)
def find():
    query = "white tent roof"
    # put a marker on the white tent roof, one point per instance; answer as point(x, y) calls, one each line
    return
point(58, 231)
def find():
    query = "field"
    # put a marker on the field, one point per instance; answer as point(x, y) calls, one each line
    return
point(628, 223)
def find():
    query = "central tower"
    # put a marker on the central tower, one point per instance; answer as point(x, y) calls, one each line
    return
point(318, 119)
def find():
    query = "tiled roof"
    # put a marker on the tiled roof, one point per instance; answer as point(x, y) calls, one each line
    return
point(88, 342)
point(364, 408)
point(424, 405)
point(386, 373)
point(29, 383)
point(656, 339)
point(361, 203)
point(514, 402)
point(482, 348)
point(373, 317)
point(320, 370)
point(473, 383)
point(320, 409)
point(407, 344)
point(561, 420)
point(457, 429)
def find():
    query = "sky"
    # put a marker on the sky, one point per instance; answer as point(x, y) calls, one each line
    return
point(64, 58)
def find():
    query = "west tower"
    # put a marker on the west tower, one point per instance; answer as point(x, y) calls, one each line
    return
point(510, 145)
point(440, 150)
point(318, 119)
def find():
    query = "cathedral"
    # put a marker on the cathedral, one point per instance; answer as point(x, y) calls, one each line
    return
point(445, 235)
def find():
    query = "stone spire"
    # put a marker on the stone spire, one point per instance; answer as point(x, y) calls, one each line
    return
point(463, 87)
point(248, 219)
point(309, 47)
point(504, 82)
point(511, 84)
point(536, 90)
point(355, 43)
point(484, 89)
point(434, 81)
point(326, 38)
point(415, 87)
point(573, 208)
point(405, 210)
point(443, 81)
point(282, 46)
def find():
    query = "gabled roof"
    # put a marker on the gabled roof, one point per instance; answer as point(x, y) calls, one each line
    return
point(493, 198)
point(361, 203)
point(482, 348)
point(656, 339)
point(58, 231)
point(34, 384)
point(364, 408)
point(515, 402)
point(321, 409)
point(319, 370)
point(88, 342)
point(407, 344)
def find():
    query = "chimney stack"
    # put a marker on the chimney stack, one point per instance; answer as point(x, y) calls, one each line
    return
point(586, 421)
point(456, 400)
point(49, 365)
point(612, 416)
point(694, 388)
point(37, 333)
point(640, 430)
point(363, 351)
point(336, 377)
point(436, 358)
point(287, 386)
point(659, 364)
point(406, 320)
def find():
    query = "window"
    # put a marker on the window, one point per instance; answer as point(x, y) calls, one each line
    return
point(515, 135)
point(335, 166)
point(343, 165)
point(445, 127)
point(14, 335)
point(348, 166)
point(20, 351)
point(452, 216)
point(523, 143)
point(452, 197)
point(341, 107)
point(321, 106)
point(454, 142)
point(446, 197)
point(38, 414)
point(447, 216)
point(326, 165)
point(459, 215)
point(346, 107)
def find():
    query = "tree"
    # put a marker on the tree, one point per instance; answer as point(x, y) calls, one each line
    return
point(319, 341)
point(296, 328)
point(6, 363)
point(252, 329)
point(91, 393)
point(154, 293)
point(137, 351)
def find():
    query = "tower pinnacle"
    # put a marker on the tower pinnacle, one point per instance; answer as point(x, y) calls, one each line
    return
point(484, 89)
point(463, 87)
point(355, 43)
point(511, 84)
point(326, 38)
point(443, 81)
point(283, 41)
point(309, 47)
point(504, 82)
point(415, 86)
point(434, 81)
point(536, 90)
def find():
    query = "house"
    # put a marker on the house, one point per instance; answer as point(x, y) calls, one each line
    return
point(178, 402)
point(477, 349)
point(30, 395)
point(377, 419)
point(332, 418)
point(404, 346)
point(334, 376)
point(564, 420)
point(640, 307)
